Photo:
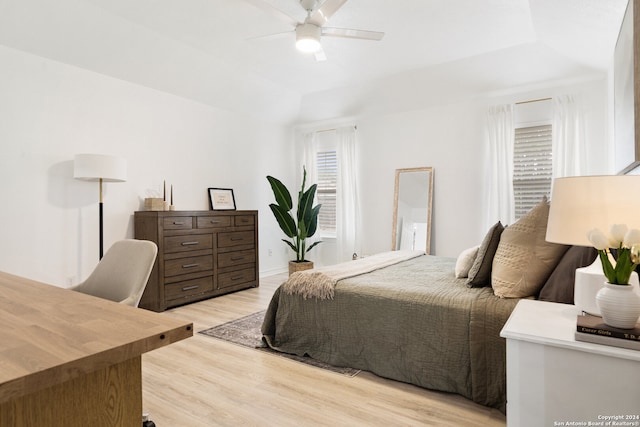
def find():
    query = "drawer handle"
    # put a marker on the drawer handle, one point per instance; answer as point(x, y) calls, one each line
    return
point(190, 265)
point(237, 277)
point(237, 239)
point(244, 220)
point(178, 222)
point(238, 258)
point(190, 288)
point(215, 222)
point(190, 243)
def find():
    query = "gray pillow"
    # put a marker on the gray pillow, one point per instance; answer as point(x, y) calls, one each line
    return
point(480, 272)
point(559, 286)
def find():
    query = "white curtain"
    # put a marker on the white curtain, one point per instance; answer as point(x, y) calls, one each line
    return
point(309, 158)
point(347, 202)
point(498, 197)
point(567, 137)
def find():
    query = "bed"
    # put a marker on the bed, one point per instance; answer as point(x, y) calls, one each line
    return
point(413, 321)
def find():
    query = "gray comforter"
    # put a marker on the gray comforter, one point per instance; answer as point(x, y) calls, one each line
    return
point(412, 322)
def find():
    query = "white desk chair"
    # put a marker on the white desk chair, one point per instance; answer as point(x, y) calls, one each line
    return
point(122, 274)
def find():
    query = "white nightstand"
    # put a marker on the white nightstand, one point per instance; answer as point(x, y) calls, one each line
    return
point(554, 380)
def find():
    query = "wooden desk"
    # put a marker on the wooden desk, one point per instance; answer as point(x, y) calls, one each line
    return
point(70, 359)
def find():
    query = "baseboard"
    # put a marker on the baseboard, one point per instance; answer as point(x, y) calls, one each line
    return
point(273, 272)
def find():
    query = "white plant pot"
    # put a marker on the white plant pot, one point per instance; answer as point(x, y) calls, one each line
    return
point(619, 305)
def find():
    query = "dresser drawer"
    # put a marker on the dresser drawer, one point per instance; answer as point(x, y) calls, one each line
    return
point(236, 277)
point(244, 220)
point(214, 221)
point(188, 288)
point(177, 223)
point(235, 238)
point(229, 259)
point(175, 267)
point(192, 242)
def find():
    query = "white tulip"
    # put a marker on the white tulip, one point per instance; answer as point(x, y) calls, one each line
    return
point(618, 231)
point(631, 238)
point(598, 239)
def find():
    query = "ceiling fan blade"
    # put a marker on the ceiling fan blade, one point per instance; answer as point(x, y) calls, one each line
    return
point(272, 36)
point(322, 14)
point(352, 34)
point(273, 11)
point(320, 55)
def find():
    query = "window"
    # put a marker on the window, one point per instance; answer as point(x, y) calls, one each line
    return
point(327, 170)
point(532, 156)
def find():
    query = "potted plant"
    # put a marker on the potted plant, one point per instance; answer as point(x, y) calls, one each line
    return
point(300, 227)
point(617, 300)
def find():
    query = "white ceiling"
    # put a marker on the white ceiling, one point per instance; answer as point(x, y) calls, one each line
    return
point(211, 50)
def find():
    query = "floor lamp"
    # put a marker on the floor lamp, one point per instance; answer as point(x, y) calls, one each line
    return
point(102, 168)
point(582, 203)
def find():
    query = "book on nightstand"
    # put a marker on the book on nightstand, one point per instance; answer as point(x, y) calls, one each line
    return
point(591, 328)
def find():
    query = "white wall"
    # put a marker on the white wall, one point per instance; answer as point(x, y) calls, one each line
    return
point(450, 139)
point(50, 111)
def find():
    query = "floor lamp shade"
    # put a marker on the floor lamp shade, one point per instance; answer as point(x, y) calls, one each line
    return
point(96, 167)
point(580, 204)
point(101, 168)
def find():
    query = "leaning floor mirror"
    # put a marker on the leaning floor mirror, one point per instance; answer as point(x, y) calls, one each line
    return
point(412, 209)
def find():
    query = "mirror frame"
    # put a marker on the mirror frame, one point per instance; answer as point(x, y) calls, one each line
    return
point(429, 205)
point(632, 18)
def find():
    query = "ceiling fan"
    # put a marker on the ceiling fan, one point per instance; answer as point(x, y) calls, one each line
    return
point(309, 32)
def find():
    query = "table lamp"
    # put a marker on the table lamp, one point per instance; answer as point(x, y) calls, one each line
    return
point(99, 167)
point(582, 203)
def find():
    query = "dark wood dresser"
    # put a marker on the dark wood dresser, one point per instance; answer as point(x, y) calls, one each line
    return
point(201, 254)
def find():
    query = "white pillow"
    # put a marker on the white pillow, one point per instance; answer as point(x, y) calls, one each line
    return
point(465, 261)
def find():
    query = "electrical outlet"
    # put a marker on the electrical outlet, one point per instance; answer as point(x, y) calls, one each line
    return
point(270, 252)
point(70, 280)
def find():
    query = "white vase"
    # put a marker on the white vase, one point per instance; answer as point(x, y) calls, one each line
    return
point(619, 305)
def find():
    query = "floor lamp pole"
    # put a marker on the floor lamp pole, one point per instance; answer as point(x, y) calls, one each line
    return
point(102, 168)
point(101, 214)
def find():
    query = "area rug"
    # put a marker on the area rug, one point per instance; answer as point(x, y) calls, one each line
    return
point(246, 332)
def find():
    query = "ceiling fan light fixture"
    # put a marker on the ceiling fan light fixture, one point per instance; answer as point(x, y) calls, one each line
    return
point(308, 38)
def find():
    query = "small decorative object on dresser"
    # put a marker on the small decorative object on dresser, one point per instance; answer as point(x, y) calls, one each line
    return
point(201, 254)
point(221, 199)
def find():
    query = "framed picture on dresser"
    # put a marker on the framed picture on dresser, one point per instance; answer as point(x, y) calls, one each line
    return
point(221, 199)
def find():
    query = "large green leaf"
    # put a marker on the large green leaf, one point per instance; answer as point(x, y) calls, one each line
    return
point(291, 245)
point(312, 221)
point(282, 195)
point(305, 203)
point(302, 230)
point(313, 245)
point(285, 220)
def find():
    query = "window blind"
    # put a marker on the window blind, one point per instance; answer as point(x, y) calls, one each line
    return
point(532, 173)
point(327, 170)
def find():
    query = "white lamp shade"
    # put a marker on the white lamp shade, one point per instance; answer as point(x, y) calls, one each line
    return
point(93, 167)
point(580, 204)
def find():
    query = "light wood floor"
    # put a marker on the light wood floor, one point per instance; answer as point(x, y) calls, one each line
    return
point(202, 381)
